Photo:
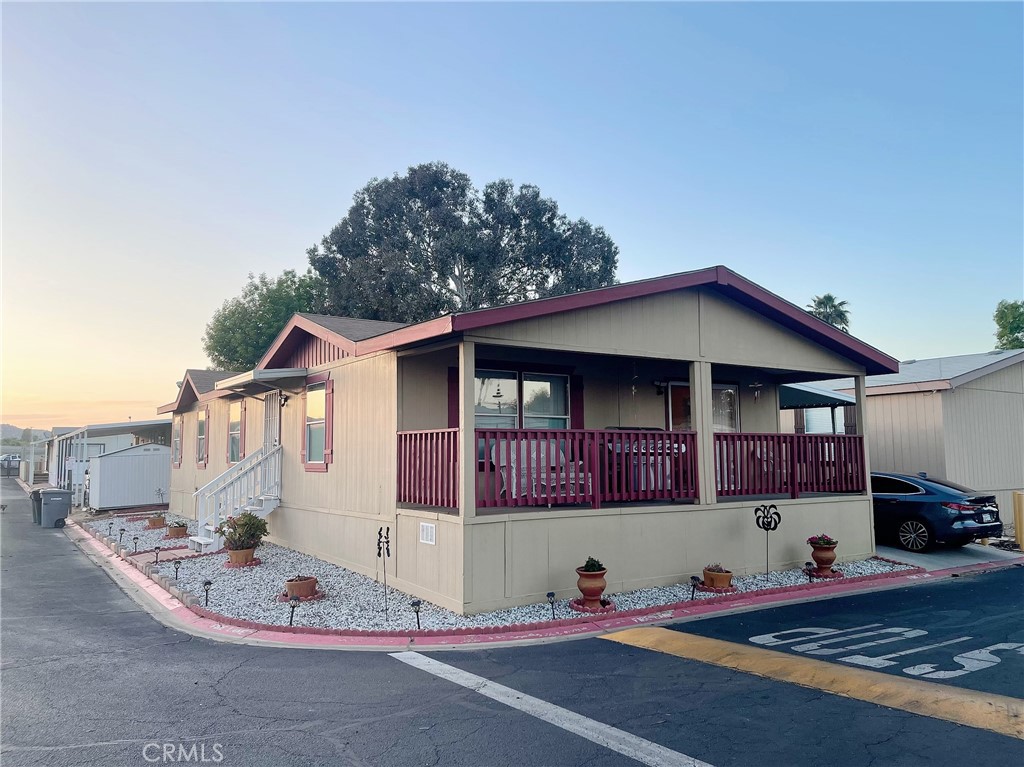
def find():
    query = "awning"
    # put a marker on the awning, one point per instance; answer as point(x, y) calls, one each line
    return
point(244, 381)
point(800, 395)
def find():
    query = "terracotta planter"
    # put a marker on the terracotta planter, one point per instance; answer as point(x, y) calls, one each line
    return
point(177, 532)
point(717, 580)
point(591, 586)
point(303, 586)
point(240, 556)
point(154, 523)
point(824, 556)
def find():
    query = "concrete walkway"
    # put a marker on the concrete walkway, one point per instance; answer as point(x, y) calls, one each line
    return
point(945, 557)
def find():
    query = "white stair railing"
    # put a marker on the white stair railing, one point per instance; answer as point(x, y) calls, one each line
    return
point(248, 484)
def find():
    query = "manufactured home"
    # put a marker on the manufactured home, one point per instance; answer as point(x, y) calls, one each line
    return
point(638, 423)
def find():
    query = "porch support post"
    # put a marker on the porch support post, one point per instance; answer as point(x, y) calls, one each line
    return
point(861, 392)
point(467, 430)
point(703, 423)
point(80, 490)
point(31, 478)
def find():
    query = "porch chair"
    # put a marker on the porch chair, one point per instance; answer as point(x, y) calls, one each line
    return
point(551, 470)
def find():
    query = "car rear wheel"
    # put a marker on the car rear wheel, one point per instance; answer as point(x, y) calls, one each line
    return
point(914, 535)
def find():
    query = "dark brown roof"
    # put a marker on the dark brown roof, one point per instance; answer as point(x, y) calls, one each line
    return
point(204, 380)
point(352, 328)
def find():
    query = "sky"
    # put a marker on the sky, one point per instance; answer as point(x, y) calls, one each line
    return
point(154, 155)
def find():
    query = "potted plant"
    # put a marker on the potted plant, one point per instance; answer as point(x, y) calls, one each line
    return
point(302, 586)
point(242, 534)
point(591, 582)
point(156, 521)
point(823, 551)
point(177, 529)
point(717, 577)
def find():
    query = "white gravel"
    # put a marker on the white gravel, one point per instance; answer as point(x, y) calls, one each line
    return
point(354, 601)
point(148, 539)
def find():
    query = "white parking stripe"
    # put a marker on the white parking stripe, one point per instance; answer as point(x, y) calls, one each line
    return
point(643, 751)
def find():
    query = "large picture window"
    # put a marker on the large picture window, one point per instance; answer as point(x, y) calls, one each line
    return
point(235, 432)
point(509, 400)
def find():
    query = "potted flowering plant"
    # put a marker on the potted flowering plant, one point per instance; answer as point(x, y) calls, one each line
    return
point(591, 582)
point(717, 577)
point(823, 551)
point(178, 529)
point(242, 534)
point(156, 521)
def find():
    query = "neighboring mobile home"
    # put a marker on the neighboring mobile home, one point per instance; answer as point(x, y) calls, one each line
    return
point(961, 418)
point(637, 423)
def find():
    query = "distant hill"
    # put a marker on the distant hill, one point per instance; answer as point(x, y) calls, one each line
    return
point(9, 431)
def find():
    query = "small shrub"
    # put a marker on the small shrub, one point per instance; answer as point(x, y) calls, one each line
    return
point(592, 565)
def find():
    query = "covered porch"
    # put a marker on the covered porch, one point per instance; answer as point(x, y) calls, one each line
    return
point(490, 429)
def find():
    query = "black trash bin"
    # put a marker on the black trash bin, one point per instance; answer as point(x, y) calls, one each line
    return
point(37, 505)
point(56, 506)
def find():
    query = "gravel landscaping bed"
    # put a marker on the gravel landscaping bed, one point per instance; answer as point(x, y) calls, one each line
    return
point(354, 601)
point(147, 538)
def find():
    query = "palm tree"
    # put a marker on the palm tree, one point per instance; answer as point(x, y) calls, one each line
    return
point(830, 310)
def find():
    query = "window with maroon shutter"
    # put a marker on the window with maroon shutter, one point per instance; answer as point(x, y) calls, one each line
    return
point(241, 434)
point(176, 441)
point(318, 425)
point(202, 436)
point(234, 442)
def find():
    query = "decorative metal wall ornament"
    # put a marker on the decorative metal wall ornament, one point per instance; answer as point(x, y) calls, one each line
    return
point(384, 552)
point(768, 519)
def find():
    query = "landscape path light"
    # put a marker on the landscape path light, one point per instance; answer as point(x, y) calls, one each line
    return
point(135, 540)
point(551, 601)
point(416, 604)
point(294, 602)
point(120, 535)
point(206, 586)
point(177, 566)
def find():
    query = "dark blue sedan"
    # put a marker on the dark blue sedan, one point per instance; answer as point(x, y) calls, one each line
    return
point(918, 511)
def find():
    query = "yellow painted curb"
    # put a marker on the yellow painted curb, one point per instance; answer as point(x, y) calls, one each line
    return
point(981, 710)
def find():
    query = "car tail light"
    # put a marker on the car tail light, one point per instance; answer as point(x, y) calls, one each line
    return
point(959, 506)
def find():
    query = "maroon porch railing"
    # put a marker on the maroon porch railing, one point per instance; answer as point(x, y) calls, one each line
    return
point(529, 467)
point(788, 464)
point(428, 467)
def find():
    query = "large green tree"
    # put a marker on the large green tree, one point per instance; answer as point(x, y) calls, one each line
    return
point(831, 310)
point(426, 243)
point(244, 326)
point(1009, 317)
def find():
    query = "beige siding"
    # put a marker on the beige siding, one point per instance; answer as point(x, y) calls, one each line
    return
point(517, 559)
point(423, 389)
point(905, 433)
point(189, 478)
point(984, 433)
point(688, 325)
point(361, 478)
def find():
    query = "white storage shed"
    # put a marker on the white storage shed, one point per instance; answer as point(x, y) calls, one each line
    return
point(134, 476)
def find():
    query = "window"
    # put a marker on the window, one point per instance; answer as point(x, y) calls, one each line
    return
point(201, 417)
point(724, 408)
point(893, 486)
point(544, 397)
point(497, 400)
point(235, 432)
point(318, 424)
point(176, 441)
point(545, 401)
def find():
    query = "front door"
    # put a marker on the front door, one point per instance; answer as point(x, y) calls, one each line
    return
point(272, 420)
